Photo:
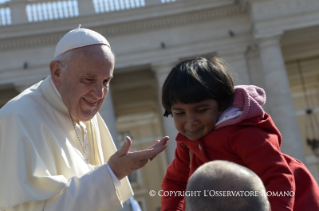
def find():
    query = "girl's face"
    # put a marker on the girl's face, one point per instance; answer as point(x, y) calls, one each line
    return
point(195, 120)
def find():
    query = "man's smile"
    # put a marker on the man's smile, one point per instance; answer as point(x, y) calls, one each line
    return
point(91, 102)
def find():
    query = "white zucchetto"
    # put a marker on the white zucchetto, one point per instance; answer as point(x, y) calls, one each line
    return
point(77, 38)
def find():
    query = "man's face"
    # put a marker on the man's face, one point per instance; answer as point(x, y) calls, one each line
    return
point(84, 86)
point(195, 120)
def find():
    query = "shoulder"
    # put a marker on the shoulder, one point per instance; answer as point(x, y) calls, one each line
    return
point(24, 115)
point(243, 130)
point(235, 136)
point(250, 130)
point(26, 103)
point(253, 126)
point(244, 136)
point(236, 131)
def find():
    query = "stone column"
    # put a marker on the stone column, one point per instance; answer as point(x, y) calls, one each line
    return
point(279, 96)
point(108, 114)
point(161, 72)
point(86, 7)
point(18, 11)
point(237, 62)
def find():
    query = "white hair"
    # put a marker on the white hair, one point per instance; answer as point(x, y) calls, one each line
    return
point(64, 59)
point(67, 56)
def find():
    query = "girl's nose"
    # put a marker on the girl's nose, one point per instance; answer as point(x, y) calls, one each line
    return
point(192, 120)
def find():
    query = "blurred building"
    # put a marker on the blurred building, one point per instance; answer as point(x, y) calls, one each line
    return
point(273, 44)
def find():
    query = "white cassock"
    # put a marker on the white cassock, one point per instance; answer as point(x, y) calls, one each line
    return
point(42, 166)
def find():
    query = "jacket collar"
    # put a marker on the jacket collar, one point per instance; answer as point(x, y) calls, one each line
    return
point(52, 96)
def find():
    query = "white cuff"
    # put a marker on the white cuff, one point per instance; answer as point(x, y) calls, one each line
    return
point(116, 181)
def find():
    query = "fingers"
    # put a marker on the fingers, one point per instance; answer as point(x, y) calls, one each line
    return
point(125, 147)
point(162, 142)
point(147, 153)
point(154, 145)
point(157, 143)
point(124, 162)
point(164, 139)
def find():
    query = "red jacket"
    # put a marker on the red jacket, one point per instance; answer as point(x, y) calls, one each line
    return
point(255, 144)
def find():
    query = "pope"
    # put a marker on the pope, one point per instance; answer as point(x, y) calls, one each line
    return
point(56, 152)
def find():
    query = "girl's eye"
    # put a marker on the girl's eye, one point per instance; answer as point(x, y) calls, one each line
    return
point(202, 111)
point(180, 113)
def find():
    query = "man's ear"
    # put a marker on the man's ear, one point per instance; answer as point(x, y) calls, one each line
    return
point(56, 72)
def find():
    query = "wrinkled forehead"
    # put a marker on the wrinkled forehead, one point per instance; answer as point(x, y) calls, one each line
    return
point(92, 60)
point(97, 49)
point(91, 54)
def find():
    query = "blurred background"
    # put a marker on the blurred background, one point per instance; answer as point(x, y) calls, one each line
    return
point(273, 44)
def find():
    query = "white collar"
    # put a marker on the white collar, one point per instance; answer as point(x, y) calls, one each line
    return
point(230, 113)
point(55, 89)
point(53, 96)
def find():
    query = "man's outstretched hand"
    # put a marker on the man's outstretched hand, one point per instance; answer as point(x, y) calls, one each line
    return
point(124, 162)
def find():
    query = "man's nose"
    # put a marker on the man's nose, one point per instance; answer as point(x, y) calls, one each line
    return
point(100, 91)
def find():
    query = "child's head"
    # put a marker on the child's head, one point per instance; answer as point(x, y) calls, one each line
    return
point(195, 93)
point(195, 80)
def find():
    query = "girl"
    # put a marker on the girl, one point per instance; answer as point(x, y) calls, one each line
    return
point(217, 121)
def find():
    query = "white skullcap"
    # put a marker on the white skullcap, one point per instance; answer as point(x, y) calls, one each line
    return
point(77, 38)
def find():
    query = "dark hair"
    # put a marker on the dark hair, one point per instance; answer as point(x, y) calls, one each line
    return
point(198, 79)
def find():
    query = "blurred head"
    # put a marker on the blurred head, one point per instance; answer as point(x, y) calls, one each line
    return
point(226, 176)
point(82, 76)
point(195, 93)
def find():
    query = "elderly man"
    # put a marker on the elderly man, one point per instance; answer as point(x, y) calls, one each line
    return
point(207, 189)
point(56, 152)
